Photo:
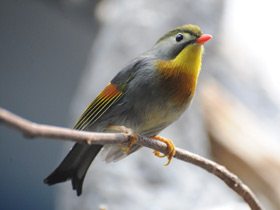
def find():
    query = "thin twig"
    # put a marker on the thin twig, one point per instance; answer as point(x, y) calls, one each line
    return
point(32, 130)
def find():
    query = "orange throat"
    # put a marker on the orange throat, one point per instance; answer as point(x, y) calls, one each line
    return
point(179, 82)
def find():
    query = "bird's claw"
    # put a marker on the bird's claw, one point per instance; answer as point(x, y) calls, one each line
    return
point(170, 146)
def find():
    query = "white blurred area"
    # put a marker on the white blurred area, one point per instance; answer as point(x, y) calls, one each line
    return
point(250, 30)
point(249, 40)
point(249, 52)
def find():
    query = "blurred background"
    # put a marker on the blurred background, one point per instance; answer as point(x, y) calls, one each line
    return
point(56, 56)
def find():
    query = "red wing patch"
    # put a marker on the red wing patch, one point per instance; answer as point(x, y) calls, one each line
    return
point(109, 96)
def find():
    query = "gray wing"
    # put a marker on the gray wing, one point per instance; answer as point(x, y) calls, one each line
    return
point(76, 163)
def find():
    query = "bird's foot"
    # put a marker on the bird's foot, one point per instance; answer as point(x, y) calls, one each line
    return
point(128, 132)
point(170, 146)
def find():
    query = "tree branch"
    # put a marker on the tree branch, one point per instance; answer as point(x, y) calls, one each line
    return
point(32, 130)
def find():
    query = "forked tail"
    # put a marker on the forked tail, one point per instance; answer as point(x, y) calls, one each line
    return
point(74, 166)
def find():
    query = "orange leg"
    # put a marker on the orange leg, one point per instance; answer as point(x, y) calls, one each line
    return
point(128, 132)
point(170, 146)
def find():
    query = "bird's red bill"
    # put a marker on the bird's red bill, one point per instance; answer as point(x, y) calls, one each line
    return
point(203, 38)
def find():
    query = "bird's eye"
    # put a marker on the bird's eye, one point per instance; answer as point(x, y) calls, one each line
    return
point(179, 37)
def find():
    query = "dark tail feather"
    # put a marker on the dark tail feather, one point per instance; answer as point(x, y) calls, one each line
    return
point(74, 166)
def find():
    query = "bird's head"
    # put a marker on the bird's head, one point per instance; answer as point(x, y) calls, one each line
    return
point(172, 44)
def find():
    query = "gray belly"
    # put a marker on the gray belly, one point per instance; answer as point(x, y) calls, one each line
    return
point(145, 115)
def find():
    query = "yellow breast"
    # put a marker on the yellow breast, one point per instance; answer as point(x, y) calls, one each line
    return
point(179, 76)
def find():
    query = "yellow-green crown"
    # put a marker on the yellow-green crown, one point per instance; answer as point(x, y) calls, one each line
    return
point(191, 29)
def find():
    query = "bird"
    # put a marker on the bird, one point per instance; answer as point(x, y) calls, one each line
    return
point(145, 97)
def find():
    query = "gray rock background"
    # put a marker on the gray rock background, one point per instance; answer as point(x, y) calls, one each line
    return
point(43, 50)
point(56, 56)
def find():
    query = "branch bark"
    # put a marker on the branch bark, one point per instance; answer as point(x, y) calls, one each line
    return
point(33, 130)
